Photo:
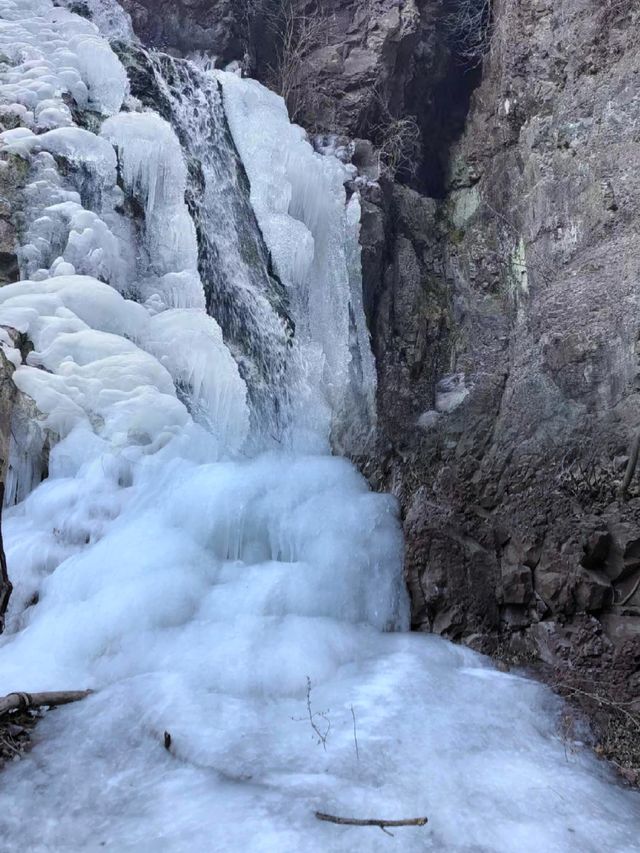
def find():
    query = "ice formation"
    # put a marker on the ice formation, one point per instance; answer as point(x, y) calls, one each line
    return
point(233, 260)
point(191, 571)
point(154, 173)
point(299, 199)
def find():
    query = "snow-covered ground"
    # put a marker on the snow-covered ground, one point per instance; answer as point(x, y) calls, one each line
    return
point(199, 584)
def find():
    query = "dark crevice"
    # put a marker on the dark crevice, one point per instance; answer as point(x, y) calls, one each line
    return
point(442, 106)
point(444, 124)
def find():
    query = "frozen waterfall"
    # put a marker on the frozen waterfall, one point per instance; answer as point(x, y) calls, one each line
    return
point(191, 295)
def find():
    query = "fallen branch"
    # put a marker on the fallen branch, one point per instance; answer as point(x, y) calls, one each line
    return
point(382, 824)
point(22, 701)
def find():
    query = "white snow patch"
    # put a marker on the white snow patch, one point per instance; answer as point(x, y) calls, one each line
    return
point(451, 392)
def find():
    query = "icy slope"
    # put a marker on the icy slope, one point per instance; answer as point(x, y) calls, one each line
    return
point(195, 581)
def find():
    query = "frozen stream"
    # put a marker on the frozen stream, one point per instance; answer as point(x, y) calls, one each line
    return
point(195, 554)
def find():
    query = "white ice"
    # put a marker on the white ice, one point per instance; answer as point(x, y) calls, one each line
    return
point(300, 203)
point(55, 52)
point(154, 173)
point(196, 587)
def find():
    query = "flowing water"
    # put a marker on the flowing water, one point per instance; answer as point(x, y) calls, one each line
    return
point(196, 555)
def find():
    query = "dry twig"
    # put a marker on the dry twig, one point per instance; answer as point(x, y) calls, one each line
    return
point(312, 716)
point(382, 824)
point(355, 733)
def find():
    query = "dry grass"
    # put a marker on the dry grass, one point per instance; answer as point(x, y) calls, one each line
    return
point(15, 734)
point(614, 723)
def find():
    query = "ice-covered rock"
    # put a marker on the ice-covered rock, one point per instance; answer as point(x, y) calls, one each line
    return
point(54, 52)
point(451, 392)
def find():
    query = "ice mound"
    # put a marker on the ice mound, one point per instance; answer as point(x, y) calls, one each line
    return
point(55, 52)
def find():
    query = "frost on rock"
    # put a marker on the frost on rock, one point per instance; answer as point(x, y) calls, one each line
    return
point(451, 392)
point(193, 580)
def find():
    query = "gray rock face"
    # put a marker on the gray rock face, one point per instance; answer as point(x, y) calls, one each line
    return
point(365, 59)
point(212, 26)
point(517, 536)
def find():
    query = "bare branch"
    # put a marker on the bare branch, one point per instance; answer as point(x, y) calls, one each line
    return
point(299, 30)
point(22, 701)
point(399, 138)
point(321, 734)
point(469, 29)
point(382, 824)
point(355, 733)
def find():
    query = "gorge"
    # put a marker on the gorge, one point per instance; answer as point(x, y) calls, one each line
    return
point(211, 318)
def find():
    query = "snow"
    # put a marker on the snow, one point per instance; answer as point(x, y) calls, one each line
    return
point(196, 582)
point(451, 392)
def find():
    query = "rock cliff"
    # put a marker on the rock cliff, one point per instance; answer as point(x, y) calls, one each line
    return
point(506, 331)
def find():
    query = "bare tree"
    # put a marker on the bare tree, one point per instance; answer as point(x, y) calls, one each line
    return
point(398, 138)
point(299, 29)
point(469, 28)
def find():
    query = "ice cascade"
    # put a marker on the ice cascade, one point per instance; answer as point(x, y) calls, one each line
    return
point(188, 341)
